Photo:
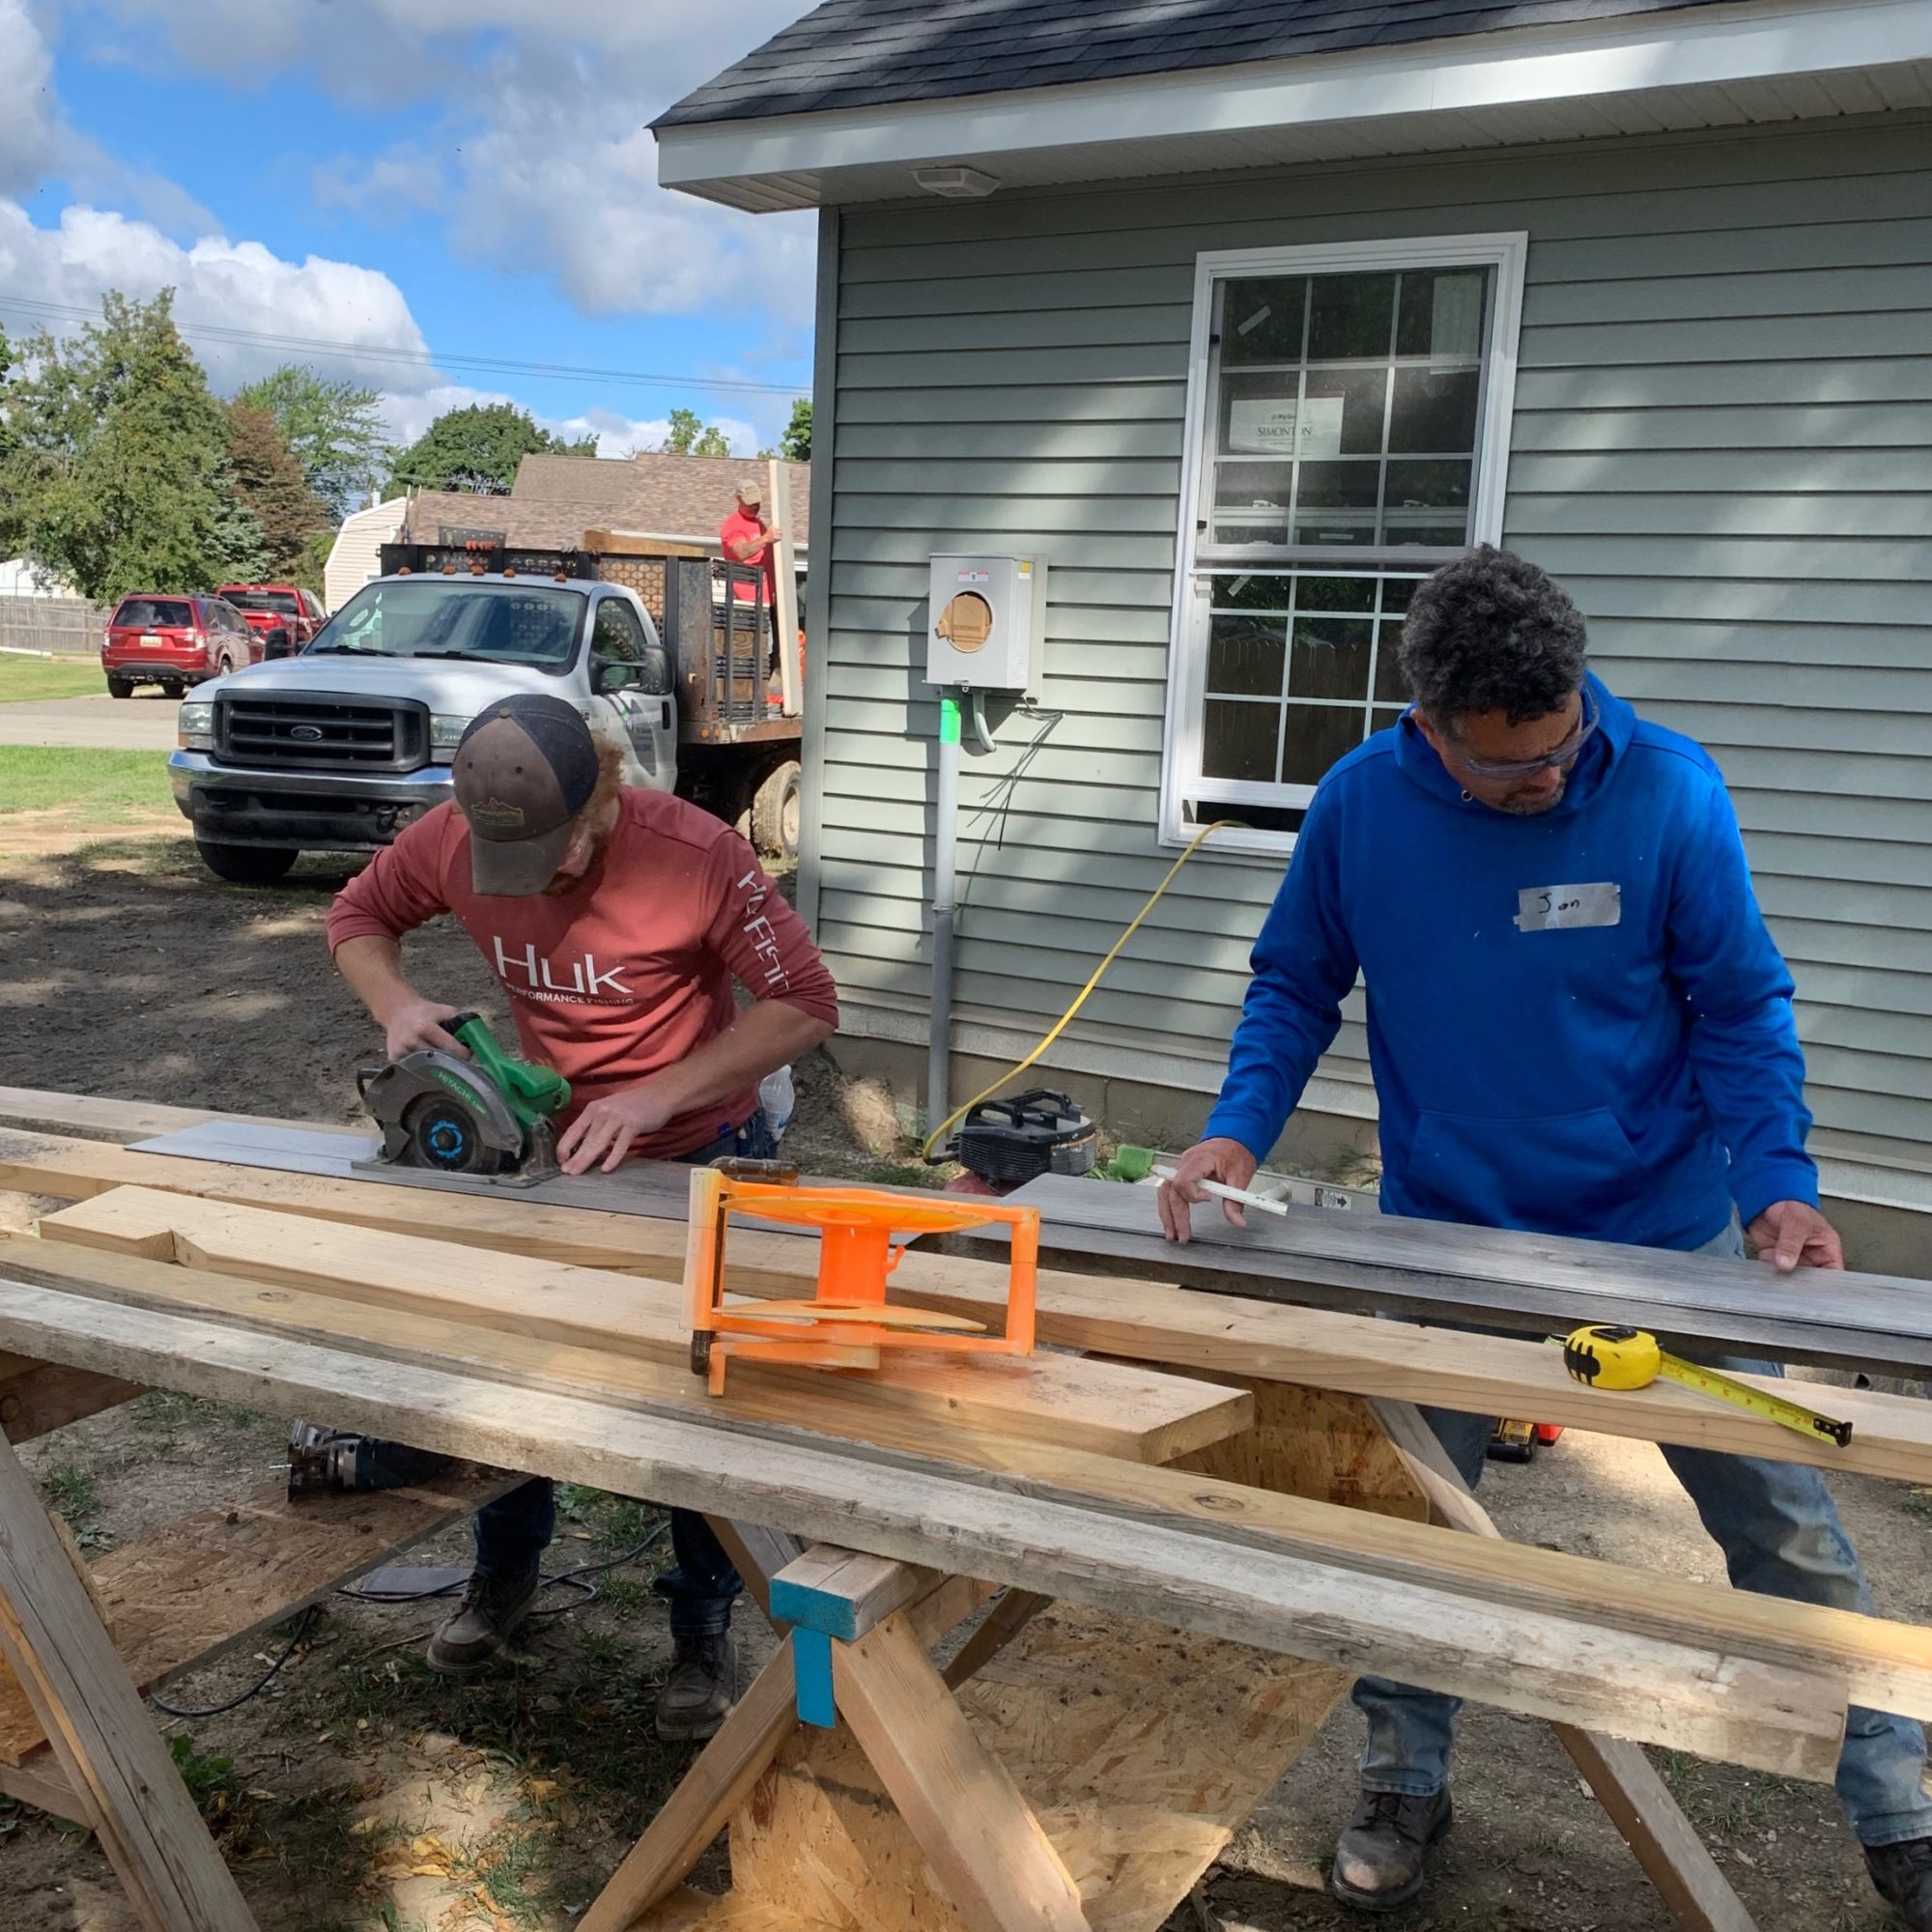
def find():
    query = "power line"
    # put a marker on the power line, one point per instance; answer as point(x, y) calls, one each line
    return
point(419, 358)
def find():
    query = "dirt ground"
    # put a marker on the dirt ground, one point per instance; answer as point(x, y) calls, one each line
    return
point(358, 1792)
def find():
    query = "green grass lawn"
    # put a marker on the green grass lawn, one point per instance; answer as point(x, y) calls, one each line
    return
point(110, 786)
point(23, 679)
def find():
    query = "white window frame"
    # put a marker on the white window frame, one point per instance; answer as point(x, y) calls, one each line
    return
point(1187, 656)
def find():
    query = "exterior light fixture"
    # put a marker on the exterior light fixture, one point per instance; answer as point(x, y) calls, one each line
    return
point(955, 184)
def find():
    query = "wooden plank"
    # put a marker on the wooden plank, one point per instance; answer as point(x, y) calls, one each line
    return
point(778, 492)
point(1002, 1624)
point(838, 1406)
point(1235, 1334)
point(994, 1860)
point(104, 1742)
point(1525, 1282)
point(1536, 1632)
point(1240, 1507)
point(1128, 1411)
point(844, 1592)
point(1623, 1779)
point(210, 1583)
point(716, 1785)
point(1292, 1420)
point(42, 1109)
point(43, 1785)
point(757, 1553)
point(1236, 1337)
point(45, 1395)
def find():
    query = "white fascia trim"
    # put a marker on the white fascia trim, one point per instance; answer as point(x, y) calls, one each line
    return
point(1767, 39)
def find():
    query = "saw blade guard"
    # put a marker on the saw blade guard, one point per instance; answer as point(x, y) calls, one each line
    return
point(438, 1112)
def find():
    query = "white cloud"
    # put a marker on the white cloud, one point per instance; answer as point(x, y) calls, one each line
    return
point(239, 287)
point(543, 106)
point(396, 183)
point(30, 124)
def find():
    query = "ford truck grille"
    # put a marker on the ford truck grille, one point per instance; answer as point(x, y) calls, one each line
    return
point(320, 734)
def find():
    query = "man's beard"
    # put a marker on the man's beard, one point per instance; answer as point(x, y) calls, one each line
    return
point(1533, 805)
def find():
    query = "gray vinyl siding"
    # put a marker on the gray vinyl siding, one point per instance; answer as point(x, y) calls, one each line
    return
point(1723, 446)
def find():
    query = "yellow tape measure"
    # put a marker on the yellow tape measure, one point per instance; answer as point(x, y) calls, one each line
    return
point(1626, 1358)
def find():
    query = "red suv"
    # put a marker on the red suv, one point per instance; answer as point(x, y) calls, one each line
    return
point(286, 615)
point(174, 641)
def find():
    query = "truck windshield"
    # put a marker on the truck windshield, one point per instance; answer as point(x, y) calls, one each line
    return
point(282, 603)
point(436, 617)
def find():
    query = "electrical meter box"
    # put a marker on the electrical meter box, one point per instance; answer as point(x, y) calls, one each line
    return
point(986, 623)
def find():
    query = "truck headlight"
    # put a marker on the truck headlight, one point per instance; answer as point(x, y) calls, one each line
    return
point(194, 726)
point(444, 735)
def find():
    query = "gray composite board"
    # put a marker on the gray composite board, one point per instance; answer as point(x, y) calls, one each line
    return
point(1380, 1264)
point(1723, 444)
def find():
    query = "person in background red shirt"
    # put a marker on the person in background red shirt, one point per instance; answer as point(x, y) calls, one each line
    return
point(616, 921)
point(746, 538)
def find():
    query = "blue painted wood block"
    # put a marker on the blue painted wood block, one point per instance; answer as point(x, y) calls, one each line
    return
point(812, 1673)
point(806, 1609)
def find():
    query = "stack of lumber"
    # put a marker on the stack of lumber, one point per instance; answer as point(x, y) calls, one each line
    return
point(1046, 1475)
point(1172, 1496)
point(1228, 1335)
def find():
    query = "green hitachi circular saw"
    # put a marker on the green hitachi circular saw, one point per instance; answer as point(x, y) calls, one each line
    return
point(486, 1117)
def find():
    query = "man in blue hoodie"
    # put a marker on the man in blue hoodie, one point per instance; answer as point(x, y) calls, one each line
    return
point(1578, 1025)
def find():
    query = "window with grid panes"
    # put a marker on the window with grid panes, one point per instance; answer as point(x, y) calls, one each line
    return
point(1348, 427)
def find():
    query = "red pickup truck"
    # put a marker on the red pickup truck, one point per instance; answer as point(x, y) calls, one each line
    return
point(285, 616)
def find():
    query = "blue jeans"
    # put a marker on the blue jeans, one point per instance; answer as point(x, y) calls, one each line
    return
point(513, 1532)
point(1778, 1530)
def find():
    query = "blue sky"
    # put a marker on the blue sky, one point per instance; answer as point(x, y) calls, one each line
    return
point(411, 182)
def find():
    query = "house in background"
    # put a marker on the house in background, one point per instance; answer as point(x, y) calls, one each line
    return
point(673, 500)
point(355, 556)
point(1244, 318)
point(21, 576)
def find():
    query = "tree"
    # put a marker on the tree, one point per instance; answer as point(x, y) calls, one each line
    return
point(478, 448)
point(691, 435)
point(333, 429)
point(269, 482)
point(795, 445)
point(114, 474)
point(9, 512)
point(238, 548)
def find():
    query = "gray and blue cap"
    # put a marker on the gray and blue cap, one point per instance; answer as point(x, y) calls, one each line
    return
point(524, 770)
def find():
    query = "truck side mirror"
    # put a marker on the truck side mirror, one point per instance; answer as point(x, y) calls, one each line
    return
point(610, 674)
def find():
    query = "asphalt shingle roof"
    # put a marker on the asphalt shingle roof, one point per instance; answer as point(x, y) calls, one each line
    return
point(869, 53)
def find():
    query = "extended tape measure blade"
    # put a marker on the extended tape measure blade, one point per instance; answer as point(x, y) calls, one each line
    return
point(1760, 1401)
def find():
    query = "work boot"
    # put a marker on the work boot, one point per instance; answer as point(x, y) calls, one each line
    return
point(702, 1686)
point(1378, 1859)
point(493, 1609)
point(1903, 1875)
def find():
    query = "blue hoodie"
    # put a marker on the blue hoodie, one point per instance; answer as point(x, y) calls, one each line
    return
point(1622, 1081)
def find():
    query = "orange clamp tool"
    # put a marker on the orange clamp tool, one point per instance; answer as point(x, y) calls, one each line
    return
point(848, 1324)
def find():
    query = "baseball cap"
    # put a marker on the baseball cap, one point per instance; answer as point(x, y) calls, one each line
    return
point(751, 491)
point(524, 770)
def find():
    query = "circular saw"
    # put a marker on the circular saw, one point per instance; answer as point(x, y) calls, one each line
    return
point(487, 1118)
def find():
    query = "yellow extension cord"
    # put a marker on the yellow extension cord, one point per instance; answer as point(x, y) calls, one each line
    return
point(1059, 1025)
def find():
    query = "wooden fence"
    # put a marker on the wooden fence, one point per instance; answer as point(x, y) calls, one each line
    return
point(71, 626)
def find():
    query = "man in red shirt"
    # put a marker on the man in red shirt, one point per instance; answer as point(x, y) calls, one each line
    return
point(617, 921)
point(746, 538)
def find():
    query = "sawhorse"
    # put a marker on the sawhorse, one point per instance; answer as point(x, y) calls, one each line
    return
point(1063, 1771)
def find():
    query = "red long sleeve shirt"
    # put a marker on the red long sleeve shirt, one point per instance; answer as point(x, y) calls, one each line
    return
point(627, 974)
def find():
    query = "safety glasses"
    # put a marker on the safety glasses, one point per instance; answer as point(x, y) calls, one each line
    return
point(1528, 768)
